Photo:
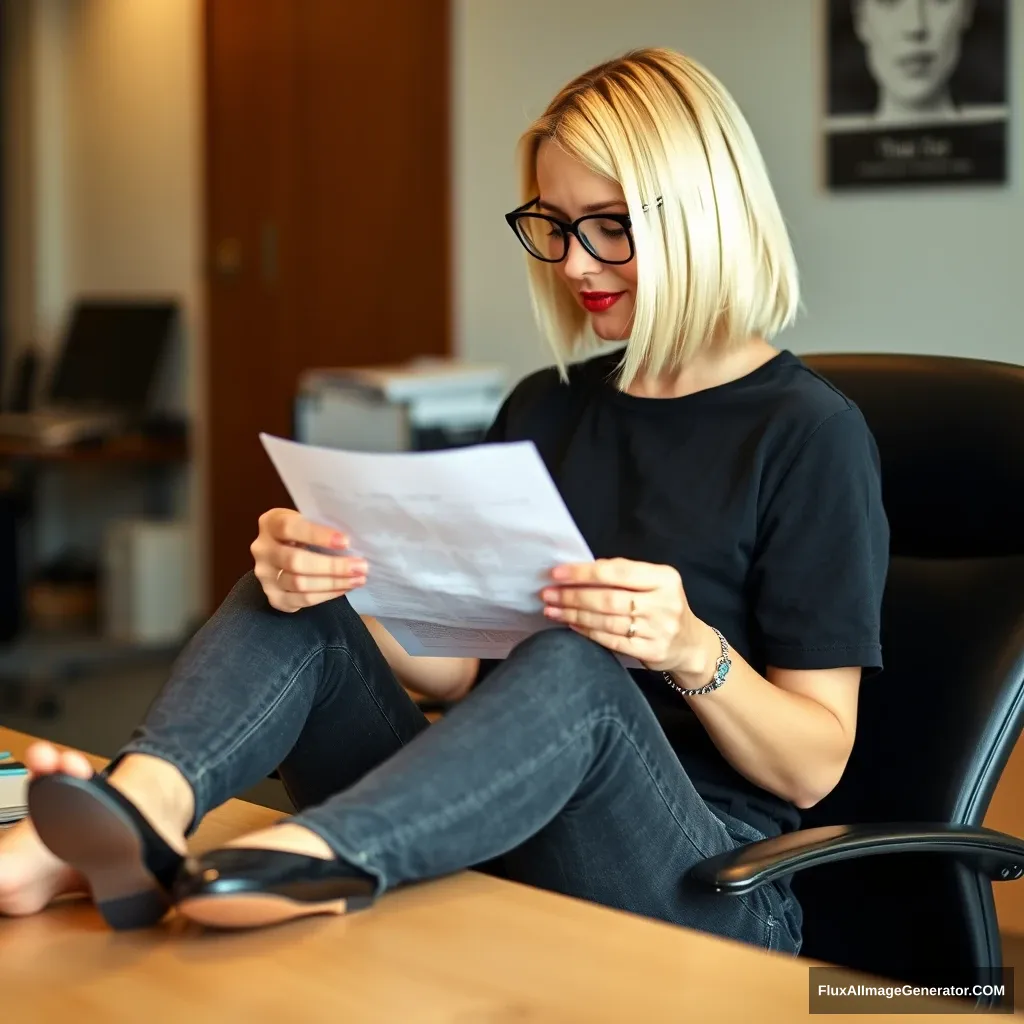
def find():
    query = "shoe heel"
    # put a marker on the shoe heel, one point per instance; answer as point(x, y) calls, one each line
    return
point(101, 843)
point(136, 910)
point(123, 890)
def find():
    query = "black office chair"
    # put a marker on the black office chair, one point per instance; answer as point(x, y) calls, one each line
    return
point(935, 729)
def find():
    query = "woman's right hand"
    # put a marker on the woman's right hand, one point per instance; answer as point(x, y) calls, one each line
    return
point(294, 577)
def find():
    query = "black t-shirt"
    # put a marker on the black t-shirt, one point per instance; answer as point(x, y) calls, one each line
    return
point(764, 493)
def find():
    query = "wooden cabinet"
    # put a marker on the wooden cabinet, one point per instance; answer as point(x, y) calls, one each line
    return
point(327, 220)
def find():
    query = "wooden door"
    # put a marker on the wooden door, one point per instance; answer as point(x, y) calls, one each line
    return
point(327, 220)
point(373, 173)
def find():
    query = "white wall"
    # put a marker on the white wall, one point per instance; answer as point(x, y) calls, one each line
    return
point(104, 197)
point(935, 272)
point(133, 224)
point(34, 91)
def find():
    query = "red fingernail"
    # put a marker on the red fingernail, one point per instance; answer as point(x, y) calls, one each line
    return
point(339, 540)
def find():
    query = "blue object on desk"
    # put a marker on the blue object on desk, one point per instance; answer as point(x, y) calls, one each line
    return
point(13, 793)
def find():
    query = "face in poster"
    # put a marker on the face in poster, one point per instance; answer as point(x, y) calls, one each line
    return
point(917, 92)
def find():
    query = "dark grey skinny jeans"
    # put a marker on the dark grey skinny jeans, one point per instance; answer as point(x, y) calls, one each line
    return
point(553, 771)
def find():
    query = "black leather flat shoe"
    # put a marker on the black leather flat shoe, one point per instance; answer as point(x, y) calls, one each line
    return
point(242, 887)
point(100, 832)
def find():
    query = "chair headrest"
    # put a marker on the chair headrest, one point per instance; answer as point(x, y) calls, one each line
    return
point(950, 433)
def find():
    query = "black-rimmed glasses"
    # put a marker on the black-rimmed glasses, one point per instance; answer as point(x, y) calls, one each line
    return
point(606, 236)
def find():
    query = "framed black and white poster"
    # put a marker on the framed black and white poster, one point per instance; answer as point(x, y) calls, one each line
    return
point(917, 92)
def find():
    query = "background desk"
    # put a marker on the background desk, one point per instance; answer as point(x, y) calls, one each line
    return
point(467, 950)
point(126, 448)
point(151, 462)
point(52, 633)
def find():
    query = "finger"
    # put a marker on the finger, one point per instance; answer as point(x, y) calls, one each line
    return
point(284, 601)
point(296, 584)
point(297, 530)
point(614, 572)
point(300, 562)
point(617, 624)
point(610, 600)
point(636, 647)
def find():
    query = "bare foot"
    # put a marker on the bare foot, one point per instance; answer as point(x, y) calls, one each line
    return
point(30, 876)
point(290, 838)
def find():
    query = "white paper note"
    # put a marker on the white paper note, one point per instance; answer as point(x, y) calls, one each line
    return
point(459, 542)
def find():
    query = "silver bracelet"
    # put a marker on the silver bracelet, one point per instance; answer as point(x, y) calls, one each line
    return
point(722, 667)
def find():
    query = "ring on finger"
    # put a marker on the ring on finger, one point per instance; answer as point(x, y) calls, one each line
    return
point(631, 632)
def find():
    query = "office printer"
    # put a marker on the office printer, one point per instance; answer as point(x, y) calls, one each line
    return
point(423, 405)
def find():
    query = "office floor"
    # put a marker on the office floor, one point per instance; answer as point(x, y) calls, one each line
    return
point(98, 714)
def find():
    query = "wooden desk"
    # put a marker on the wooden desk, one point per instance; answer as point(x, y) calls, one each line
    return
point(466, 950)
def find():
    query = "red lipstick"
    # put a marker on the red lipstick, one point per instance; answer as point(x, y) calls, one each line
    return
point(598, 302)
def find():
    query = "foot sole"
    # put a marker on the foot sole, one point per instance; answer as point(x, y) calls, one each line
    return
point(259, 910)
point(98, 839)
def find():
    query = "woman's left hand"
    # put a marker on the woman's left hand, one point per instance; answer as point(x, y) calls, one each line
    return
point(632, 608)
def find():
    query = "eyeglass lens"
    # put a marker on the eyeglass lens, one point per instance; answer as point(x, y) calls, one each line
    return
point(607, 239)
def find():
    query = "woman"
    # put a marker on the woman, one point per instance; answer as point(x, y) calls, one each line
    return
point(732, 500)
point(912, 49)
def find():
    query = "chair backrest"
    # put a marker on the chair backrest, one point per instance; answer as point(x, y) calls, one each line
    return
point(936, 727)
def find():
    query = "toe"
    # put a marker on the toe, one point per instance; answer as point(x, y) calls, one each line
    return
point(45, 759)
point(42, 758)
point(73, 763)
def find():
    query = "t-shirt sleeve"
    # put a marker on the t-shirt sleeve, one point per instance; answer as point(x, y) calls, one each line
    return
point(823, 553)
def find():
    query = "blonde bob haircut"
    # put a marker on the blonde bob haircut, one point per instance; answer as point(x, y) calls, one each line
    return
point(714, 260)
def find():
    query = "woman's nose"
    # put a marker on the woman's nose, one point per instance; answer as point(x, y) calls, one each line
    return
point(578, 262)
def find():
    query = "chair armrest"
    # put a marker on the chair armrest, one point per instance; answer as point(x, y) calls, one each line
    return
point(740, 871)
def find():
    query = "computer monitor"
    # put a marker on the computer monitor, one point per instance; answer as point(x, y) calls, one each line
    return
point(112, 354)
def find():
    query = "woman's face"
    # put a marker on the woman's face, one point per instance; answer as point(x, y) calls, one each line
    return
point(569, 190)
point(913, 46)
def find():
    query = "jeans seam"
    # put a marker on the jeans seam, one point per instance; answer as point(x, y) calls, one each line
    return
point(314, 652)
point(744, 901)
point(198, 772)
point(228, 751)
point(366, 686)
point(661, 790)
point(474, 800)
point(211, 765)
